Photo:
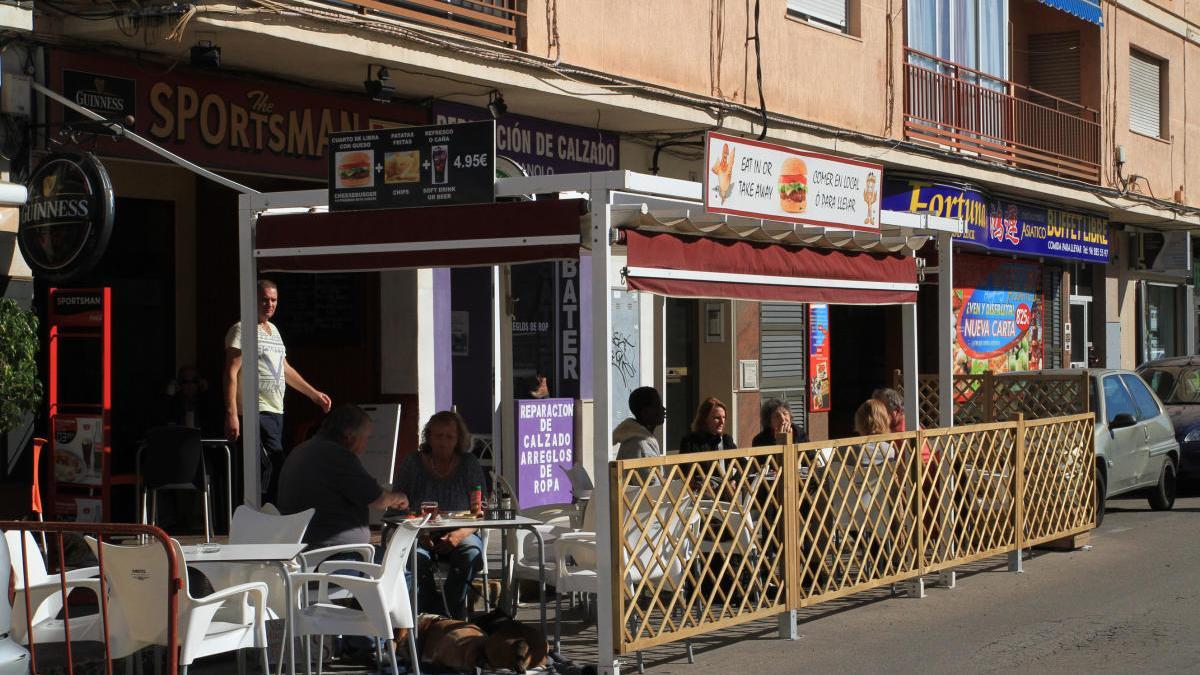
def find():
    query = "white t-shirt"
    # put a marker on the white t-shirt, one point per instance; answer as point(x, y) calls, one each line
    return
point(271, 354)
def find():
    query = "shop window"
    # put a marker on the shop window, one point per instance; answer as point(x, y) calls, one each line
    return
point(1147, 94)
point(833, 14)
point(1160, 326)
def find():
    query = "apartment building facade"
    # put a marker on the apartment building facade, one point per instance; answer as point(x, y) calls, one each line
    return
point(1057, 129)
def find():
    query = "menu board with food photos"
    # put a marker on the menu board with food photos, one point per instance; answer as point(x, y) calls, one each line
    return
point(412, 166)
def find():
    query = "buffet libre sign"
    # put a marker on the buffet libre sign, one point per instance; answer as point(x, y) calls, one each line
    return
point(774, 182)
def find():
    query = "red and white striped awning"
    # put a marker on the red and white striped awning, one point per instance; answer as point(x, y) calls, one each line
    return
point(442, 236)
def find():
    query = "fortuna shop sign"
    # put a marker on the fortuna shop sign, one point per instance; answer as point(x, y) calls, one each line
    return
point(775, 182)
point(215, 120)
point(67, 220)
point(1001, 225)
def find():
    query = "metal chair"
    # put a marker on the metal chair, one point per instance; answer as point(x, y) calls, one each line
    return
point(172, 458)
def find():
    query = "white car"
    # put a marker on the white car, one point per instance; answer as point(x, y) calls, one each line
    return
point(14, 659)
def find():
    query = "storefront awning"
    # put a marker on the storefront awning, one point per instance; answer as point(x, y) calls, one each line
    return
point(1088, 10)
point(442, 236)
point(699, 267)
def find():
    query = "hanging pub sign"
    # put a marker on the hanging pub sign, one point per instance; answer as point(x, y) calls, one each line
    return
point(775, 182)
point(67, 221)
point(819, 394)
point(997, 307)
point(1001, 225)
point(545, 450)
point(415, 166)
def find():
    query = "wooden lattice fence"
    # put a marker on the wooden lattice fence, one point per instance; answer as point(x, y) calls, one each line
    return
point(711, 540)
point(998, 397)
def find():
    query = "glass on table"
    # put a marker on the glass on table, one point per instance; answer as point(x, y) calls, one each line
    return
point(430, 509)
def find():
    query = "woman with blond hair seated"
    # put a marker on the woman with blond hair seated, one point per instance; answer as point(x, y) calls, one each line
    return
point(872, 419)
point(443, 470)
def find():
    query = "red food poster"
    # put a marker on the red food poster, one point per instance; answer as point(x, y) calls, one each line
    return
point(818, 358)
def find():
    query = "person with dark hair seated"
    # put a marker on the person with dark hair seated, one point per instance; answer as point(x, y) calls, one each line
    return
point(635, 435)
point(444, 471)
point(776, 420)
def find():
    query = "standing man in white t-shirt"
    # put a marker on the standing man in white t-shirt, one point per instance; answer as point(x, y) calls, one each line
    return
point(275, 374)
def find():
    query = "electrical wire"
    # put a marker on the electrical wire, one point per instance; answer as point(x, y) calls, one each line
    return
point(762, 102)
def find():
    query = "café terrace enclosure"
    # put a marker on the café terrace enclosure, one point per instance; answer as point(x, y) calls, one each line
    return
point(772, 529)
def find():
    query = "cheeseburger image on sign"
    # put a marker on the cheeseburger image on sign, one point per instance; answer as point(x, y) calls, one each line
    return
point(793, 185)
point(354, 169)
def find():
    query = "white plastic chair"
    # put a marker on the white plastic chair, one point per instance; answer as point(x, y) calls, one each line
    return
point(669, 522)
point(45, 596)
point(138, 604)
point(250, 526)
point(382, 596)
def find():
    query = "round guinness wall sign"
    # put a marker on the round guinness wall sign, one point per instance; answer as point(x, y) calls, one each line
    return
point(67, 221)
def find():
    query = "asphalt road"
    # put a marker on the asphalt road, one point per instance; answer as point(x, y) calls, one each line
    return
point(1130, 603)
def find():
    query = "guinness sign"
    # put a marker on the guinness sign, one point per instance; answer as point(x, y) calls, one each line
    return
point(66, 224)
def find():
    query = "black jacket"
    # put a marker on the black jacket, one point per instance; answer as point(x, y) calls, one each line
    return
point(767, 437)
point(702, 441)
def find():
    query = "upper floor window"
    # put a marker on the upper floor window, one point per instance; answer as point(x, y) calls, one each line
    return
point(833, 14)
point(971, 33)
point(1147, 94)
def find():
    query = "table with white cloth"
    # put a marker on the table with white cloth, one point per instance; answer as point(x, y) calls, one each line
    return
point(279, 555)
point(518, 523)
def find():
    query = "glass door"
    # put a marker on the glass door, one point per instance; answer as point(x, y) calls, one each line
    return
point(1079, 339)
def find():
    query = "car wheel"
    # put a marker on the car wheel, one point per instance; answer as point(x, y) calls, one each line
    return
point(1162, 496)
point(1101, 491)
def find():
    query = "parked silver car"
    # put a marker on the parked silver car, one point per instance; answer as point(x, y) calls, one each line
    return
point(1135, 440)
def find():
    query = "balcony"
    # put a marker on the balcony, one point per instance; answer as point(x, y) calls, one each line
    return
point(971, 112)
point(497, 20)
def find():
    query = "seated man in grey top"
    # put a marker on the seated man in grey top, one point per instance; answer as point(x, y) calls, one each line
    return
point(325, 474)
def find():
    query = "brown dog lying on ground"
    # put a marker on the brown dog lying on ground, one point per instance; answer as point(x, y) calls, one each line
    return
point(510, 643)
point(494, 639)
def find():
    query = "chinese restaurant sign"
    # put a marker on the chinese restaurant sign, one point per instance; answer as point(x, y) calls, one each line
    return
point(545, 450)
point(1002, 225)
point(217, 120)
point(540, 146)
point(818, 358)
point(775, 182)
point(413, 166)
point(997, 315)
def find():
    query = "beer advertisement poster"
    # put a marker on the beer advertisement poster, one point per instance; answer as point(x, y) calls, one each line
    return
point(819, 391)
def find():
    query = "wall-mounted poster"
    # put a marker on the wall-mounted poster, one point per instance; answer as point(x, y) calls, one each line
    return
point(997, 315)
point(818, 358)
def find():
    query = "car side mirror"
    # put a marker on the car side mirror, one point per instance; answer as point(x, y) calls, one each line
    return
point(1121, 421)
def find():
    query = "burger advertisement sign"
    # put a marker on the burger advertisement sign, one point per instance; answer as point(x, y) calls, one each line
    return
point(774, 182)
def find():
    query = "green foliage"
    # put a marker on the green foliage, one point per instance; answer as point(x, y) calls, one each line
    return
point(20, 388)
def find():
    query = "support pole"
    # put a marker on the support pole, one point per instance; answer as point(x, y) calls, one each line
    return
point(504, 443)
point(945, 332)
point(911, 393)
point(248, 301)
point(606, 662)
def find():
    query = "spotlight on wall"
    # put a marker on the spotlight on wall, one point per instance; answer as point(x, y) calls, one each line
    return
point(496, 105)
point(206, 55)
point(380, 87)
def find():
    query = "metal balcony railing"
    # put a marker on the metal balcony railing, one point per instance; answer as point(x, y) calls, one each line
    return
point(971, 111)
point(499, 20)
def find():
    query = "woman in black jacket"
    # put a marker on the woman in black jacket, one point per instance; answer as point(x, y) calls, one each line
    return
point(776, 420)
point(708, 429)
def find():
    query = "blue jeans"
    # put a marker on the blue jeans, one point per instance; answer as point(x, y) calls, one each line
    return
point(466, 562)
